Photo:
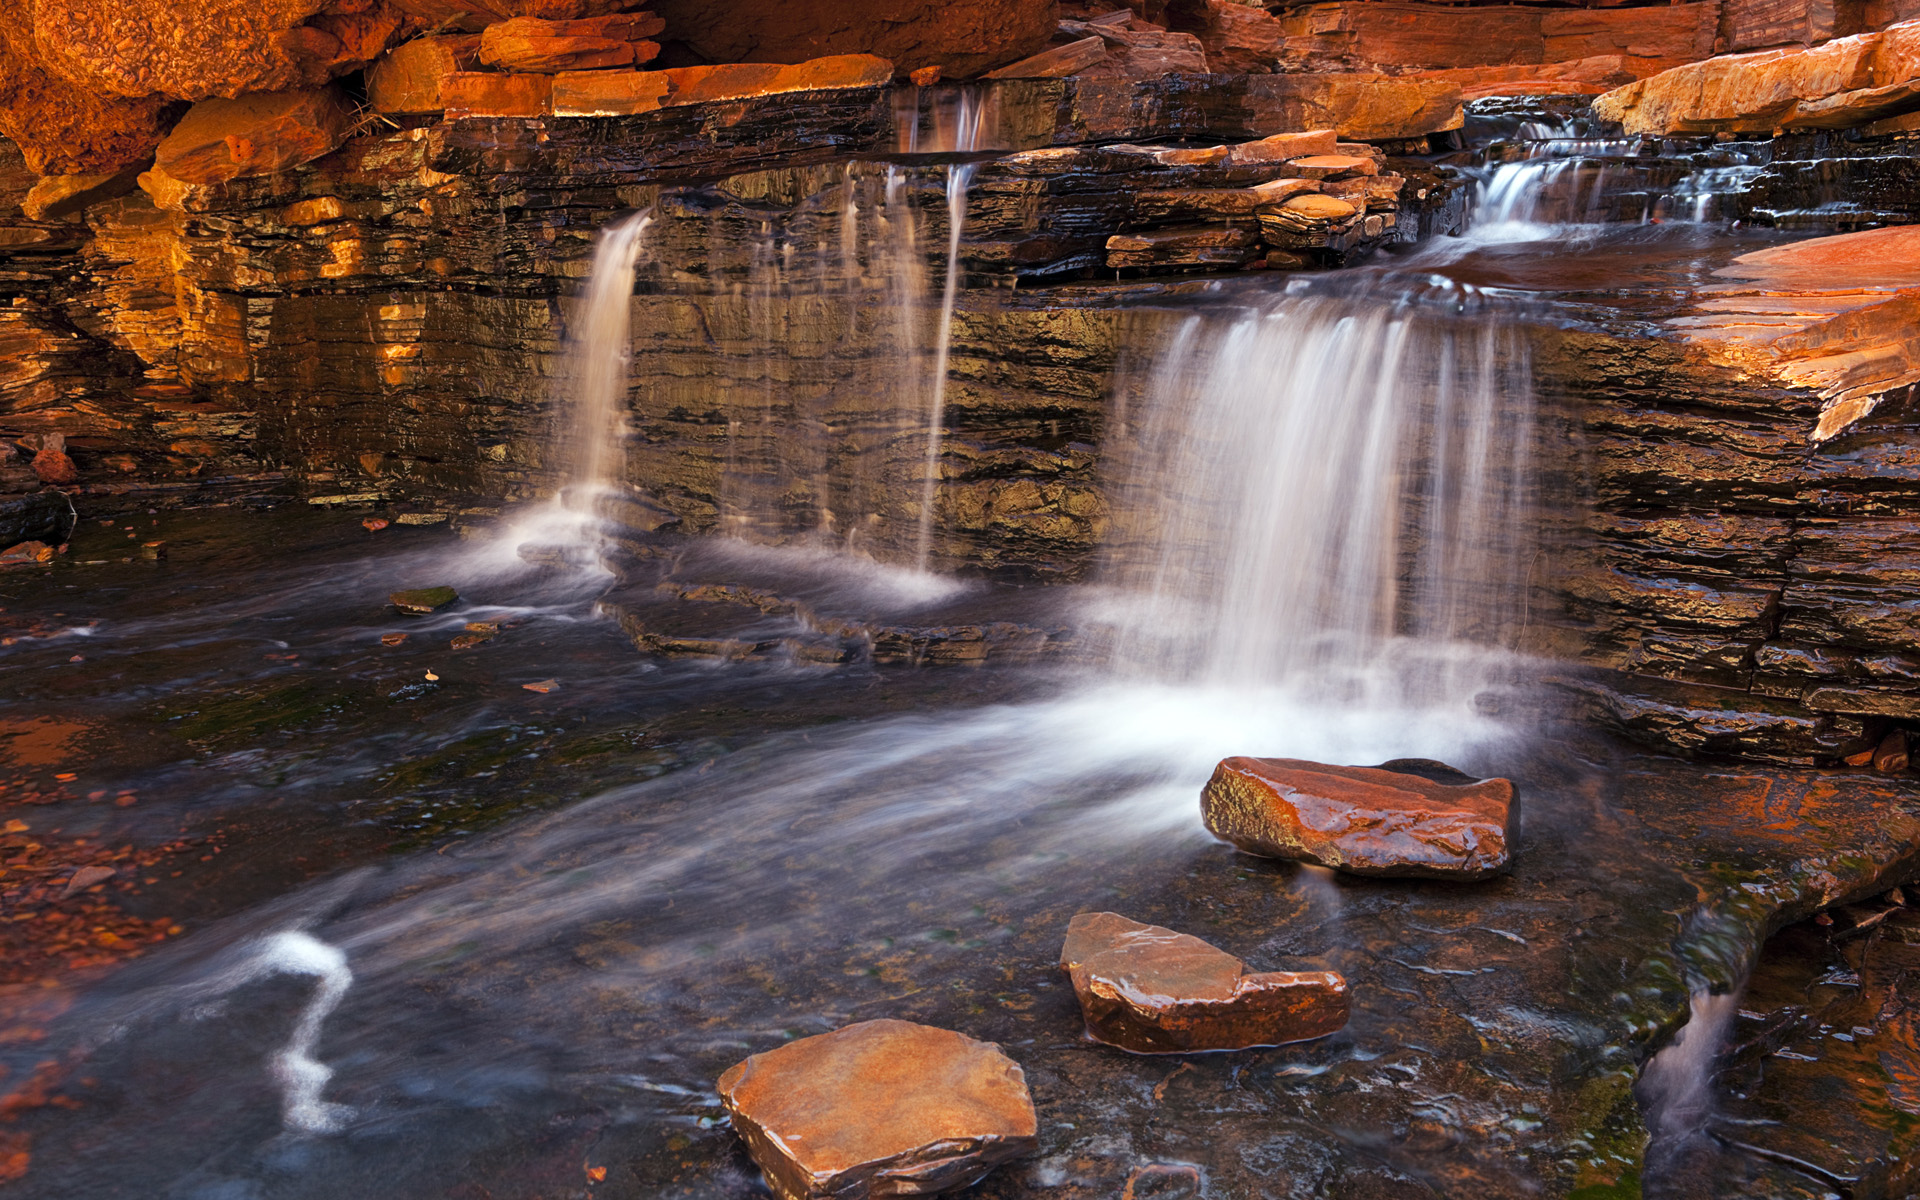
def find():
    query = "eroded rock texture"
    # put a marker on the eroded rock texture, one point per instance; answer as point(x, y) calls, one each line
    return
point(1364, 820)
point(963, 40)
point(1153, 991)
point(882, 1108)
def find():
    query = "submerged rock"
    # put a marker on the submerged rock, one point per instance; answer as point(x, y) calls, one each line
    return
point(881, 1108)
point(1364, 820)
point(1153, 991)
point(423, 600)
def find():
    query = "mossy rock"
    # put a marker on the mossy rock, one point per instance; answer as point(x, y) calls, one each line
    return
point(423, 600)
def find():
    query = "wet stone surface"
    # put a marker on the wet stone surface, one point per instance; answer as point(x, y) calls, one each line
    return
point(556, 995)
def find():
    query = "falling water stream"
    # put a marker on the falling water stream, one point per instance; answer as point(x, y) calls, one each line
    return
point(1324, 499)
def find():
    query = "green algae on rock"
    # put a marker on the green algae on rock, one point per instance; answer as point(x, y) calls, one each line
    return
point(420, 601)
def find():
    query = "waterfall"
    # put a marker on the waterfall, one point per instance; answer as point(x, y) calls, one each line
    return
point(599, 355)
point(1323, 485)
point(966, 138)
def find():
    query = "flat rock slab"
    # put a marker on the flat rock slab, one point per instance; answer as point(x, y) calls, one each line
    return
point(882, 1108)
point(422, 600)
point(1363, 820)
point(1153, 991)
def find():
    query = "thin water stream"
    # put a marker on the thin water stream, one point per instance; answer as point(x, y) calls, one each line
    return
point(1325, 504)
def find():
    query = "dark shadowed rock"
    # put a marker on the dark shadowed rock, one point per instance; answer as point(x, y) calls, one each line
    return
point(38, 517)
point(1153, 991)
point(1364, 820)
point(882, 1108)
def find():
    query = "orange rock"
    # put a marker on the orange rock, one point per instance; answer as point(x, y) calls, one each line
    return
point(256, 134)
point(1069, 59)
point(881, 1108)
point(62, 127)
point(59, 196)
point(730, 81)
point(963, 40)
point(1153, 991)
point(26, 552)
point(1331, 166)
point(608, 93)
point(834, 71)
point(1283, 146)
point(484, 94)
point(408, 80)
point(1846, 82)
point(1364, 820)
point(531, 44)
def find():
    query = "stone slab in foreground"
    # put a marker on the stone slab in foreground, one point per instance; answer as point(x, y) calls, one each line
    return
point(1363, 820)
point(882, 1108)
point(1153, 991)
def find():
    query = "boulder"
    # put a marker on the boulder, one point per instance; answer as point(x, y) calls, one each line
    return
point(531, 44)
point(881, 1108)
point(963, 40)
point(408, 81)
point(256, 134)
point(1363, 820)
point(1846, 82)
point(65, 128)
point(486, 94)
point(59, 196)
point(1153, 991)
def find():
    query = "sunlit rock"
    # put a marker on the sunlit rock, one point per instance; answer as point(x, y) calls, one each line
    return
point(608, 93)
point(487, 94)
point(531, 44)
point(59, 196)
point(256, 134)
point(881, 1108)
point(408, 81)
point(1153, 991)
point(1363, 820)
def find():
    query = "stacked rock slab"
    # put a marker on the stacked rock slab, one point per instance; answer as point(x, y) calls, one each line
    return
point(881, 1108)
point(1153, 991)
point(1363, 820)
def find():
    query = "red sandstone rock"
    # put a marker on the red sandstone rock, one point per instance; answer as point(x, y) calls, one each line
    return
point(1332, 166)
point(881, 1108)
point(408, 80)
point(1153, 991)
point(1846, 82)
point(62, 127)
point(51, 464)
point(1069, 59)
point(963, 40)
point(733, 81)
point(256, 134)
point(1363, 820)
point(833, 71)
point(530, 44)
point(1283, 146)
point(485, 94)
point(59, 196)
point(608, 93)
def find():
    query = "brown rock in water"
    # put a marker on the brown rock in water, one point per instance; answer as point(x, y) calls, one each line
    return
point(26, 552)
point(256, 134)
point(881, 1108)
point(963, 40)
point(1363, 820)
point(1153, 991)
point(408, 81)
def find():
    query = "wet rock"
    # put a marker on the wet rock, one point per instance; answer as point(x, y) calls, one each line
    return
point(408, 81)
point(420, 601)
point(257, 134)
point(26, 553)
point(38, 517)
point(1153, 991)
point(881, 1108)
point(1890, 757)
point(51, 464)
point(1363, 820)
point(1195, 245)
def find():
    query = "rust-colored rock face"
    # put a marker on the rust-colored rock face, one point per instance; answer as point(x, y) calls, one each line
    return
point(882, 1108)
point(963, 40)
point(531, 44)
point(1846, 82)
point(408, 81)
point(1153, 991)
point(1363, 820)
point(256, 134)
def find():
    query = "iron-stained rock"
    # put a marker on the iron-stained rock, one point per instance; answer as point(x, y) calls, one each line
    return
point(1153, 991)
point(1364, 820)
point(255, 134)
point(881, 1108)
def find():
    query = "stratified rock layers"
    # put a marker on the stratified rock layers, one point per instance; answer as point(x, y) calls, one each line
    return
point(1363, 820)
point(882, 1108)
point(963, 40)
point(1153, 991)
